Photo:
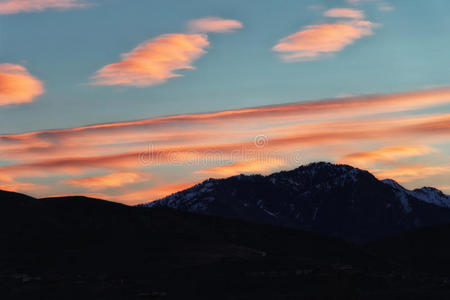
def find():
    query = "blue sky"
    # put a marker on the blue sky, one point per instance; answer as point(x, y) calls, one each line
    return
point(400, 49)
point(65, 48)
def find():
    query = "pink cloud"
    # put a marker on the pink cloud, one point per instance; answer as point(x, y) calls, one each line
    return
point(154, 61)
point(213, 24)
point(327, 129)
point(344, 13)
point(410, 172)
point(19, 6)
point(17, 85)
point(195, 128)
point(251, 166)
point(115, 179)
point(8, 183)
point(151, 194)
point(316, 41)
point(386, 154)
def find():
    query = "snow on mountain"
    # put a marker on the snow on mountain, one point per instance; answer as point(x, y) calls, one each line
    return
point(334, 199)
point(425, 194)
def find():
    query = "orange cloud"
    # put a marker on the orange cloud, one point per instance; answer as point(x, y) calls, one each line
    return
point(147, 195)
point(213, 24)
point(444, 188)
point(252, 166)
point(17, 85)
point(344, 13)
point(193, 142)
point(303, 135)
point(188, 125)
point(108, 145)
point(8, 183)
point(115, 179)
point(19, 6)
point(154, 61)
point(411, 172)
point(387, 154)
point(316, 41)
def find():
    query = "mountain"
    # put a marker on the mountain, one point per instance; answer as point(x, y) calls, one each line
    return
point(336, 200)
point(426, 194)
point(424, 249)
point(84, 248)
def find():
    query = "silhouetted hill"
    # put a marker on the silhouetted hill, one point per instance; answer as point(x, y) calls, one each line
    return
point(425, 249)
point(336, 200)
point(84, 248)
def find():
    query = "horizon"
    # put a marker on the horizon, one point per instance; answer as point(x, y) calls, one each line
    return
point(219, 178)
point(131, 103)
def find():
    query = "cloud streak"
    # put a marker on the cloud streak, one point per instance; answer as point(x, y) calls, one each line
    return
point(157, 60)
point(410, 172)
point(323, 40)
point(154, 61)
point(328, 129)
point(178, 130)
point(318, 41)
point(113, 180)
point(344, 13)
point(213, 24)
point(252, 166)
point(386, 154)
point(21, 6)
point(17, 85)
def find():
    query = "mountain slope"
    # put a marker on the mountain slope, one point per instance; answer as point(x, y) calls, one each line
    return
point(424, 249)
point(338, 200)
point(83, 248)
point(425, 194)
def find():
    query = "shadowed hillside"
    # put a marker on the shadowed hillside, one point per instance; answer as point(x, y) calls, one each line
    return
point(83, 248)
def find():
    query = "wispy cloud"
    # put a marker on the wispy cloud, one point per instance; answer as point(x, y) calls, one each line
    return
point(386, 154)
point(381, 5)
point(191, 128)
point(213, 24)
point(115, 179)
point(154, 61)
point(8, 183)
point(323, 129)
point(410, 172)
point(385, 7)
point(17, 85)
point(146, 195)
point(252, 166)
point(20, 6)
point(318, 41)
point(344, 13)
point(157, 60)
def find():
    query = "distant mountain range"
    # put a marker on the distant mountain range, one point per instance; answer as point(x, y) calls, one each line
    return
point(336, 200)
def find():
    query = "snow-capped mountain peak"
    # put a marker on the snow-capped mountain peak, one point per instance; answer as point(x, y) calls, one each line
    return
point(333, 199)
point(425, 194)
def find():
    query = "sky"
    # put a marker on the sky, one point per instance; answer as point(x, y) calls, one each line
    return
point(133, 100)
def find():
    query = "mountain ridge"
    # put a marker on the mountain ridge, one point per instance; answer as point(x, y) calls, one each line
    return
point(322, 197)
point(97, 249)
